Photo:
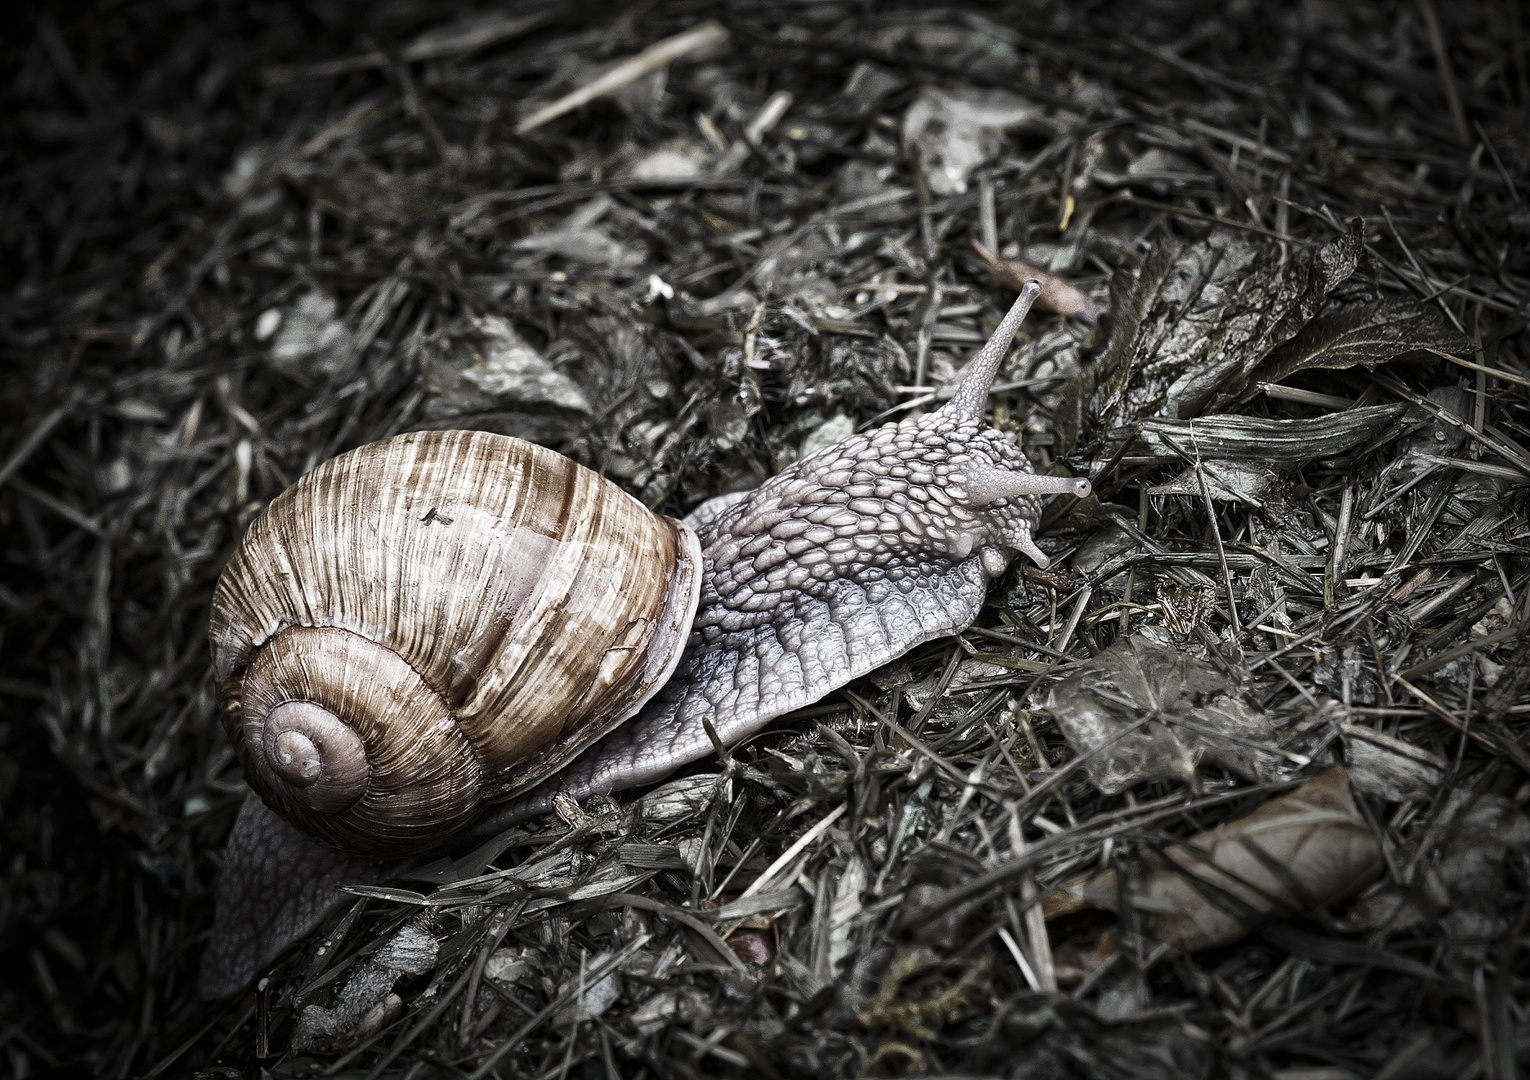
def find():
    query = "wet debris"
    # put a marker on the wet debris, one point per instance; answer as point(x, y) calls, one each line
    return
point(367, 1004)
point(1226, 481)
point(952, 132)
point(1389, 769)
point(1142, 710)
point(1290, 856)
point(310, 342)
point(1284, 335)
point(479, 372)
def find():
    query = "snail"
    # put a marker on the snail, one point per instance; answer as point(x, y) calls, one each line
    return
point(428, 626)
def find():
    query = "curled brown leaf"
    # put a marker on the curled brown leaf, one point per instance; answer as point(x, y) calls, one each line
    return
point(1293, 854)
point(1056, 294)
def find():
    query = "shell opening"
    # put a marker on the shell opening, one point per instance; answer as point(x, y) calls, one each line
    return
point(316, 753)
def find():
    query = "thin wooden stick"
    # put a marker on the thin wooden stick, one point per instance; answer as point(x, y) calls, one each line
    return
point(708, 35)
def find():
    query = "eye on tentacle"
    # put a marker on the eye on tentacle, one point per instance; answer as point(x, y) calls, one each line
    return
point(971, 396)
point(986, 484)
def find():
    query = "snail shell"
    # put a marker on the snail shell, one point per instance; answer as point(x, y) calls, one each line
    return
point(442, 618)
point(478, 595)
point(445, 619)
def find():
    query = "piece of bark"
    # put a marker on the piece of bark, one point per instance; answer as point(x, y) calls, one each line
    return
point(1295, 853)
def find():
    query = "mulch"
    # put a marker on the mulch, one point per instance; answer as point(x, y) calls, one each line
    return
point(240, 239)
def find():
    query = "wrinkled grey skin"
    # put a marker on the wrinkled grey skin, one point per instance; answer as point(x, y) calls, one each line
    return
point(824, 573)
point(276, 885)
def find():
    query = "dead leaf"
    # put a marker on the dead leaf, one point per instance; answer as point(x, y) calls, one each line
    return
point(1389, 769)
point(1258, 438)
point(1367, 334)
point(1244, 482)
point(952, 132)
point(1056, 294)
point(1195, 320)
point(1293, 854)
point(1143, 711)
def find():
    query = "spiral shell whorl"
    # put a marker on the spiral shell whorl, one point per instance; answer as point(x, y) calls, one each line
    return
point(313, 752)
point(460, 609)
point(343, 735)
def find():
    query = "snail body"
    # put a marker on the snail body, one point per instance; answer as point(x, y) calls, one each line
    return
point(442, 620)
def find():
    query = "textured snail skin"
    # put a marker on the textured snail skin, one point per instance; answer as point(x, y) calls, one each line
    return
point(827, 571)
point(274, 887)
point(843, 562)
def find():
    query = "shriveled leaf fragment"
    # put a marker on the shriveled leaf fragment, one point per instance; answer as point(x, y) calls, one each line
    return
point(1296, 852)
point(952, 132)
point(1105, 544)
point(1462, 883)
point(411, 951)
point(677, 799)
point(480, 373)
point(1367, 334)
point(508, 966)
point(1144, 711)
point(1438, 435)
point(1484, 835)
point(366, 1006)
point(578, 239)
point(367, 1003)
point(591, 999)
point(1226, 481)
point(1056, 294)
point(312, 341)
point(1257, 438)
point(1389, 769)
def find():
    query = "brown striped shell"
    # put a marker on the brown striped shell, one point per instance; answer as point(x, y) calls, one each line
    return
point(391, 640)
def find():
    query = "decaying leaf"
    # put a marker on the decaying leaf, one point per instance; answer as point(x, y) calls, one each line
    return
point(480, 372)
point(1056, 294)
point(1196, 316)
point(1389, 769)
point(578, 239)
point(1198, 327)
point(1461, 883)
point(312, 341)
point(367, 1003)
point(1226, 481)
point(590, 998)
point(1256, 438)
point(1295, 853)
point(1144, 711)
point(952, 132)
point(1366, 334)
